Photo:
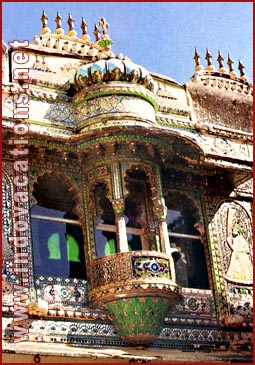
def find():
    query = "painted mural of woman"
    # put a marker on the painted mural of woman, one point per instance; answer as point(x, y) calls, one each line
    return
point(240, 269)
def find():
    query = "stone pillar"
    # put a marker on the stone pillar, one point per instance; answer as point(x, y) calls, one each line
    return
point(161, 211)
point(118, 205)
point(121, 232)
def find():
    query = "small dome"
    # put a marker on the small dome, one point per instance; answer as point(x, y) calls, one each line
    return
point(112, 69)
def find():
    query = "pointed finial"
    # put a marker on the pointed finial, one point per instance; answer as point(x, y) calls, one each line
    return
point(104, 25)
point(71, 32)
point(96, 33)
point(231, 69)
point(70, 22)
point(84, 27)
point(196, 57)
point(58, 20)
point(44, 20)
point(242, 74)
point(208, 58)
point(220, 59)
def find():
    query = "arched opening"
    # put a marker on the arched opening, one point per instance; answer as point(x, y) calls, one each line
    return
point(105, 231)
point(58, 243)
point(190, 260)
point(138, 209)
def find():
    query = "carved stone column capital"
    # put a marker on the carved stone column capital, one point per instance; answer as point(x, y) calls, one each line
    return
point(160, 209)
point(118, 206)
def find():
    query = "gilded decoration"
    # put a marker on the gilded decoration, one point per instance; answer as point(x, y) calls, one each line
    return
point(133, 158)
point(128, 265)
point(114, 274)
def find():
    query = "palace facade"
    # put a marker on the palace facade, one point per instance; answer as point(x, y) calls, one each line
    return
point(127, 206)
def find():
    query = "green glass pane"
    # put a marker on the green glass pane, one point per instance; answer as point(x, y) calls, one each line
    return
point(72, 248)
point(54, 246)
point(110, 247)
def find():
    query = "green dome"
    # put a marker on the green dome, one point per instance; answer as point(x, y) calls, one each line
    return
point(112, 69)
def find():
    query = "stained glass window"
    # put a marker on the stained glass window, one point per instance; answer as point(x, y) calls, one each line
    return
point(57, 243)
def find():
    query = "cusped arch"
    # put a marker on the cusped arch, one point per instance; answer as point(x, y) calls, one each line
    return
point(57, 191)
point(189, 209)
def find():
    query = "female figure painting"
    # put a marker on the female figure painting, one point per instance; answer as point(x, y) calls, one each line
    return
point(240, 269)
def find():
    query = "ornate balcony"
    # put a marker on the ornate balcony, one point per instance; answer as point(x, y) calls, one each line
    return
point(138, 290)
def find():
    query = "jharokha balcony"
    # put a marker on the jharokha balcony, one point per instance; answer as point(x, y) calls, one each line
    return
point(138, 288)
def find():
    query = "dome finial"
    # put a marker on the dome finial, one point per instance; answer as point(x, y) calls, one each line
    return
point(84, 28)
point(58, 21)
point(71, 32)
point(241, 69)
point(196, 57)
point(231, 69)
point(220, 59)
point(104, 25)
point(44, 20)
point(96, 33)
point(208, 58)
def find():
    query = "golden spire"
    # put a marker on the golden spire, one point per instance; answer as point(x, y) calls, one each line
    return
point(58, 19)
point(96, 33)
point(44, 20)
point(220, 59)
point(71, 32)
point(104, 25)
point(84, 28)
point(208, 58)
point(231, 69)
point(196, 57)
point(242, 74)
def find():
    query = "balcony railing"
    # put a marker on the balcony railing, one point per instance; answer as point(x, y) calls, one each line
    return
point(132, 274)
point(133, 265)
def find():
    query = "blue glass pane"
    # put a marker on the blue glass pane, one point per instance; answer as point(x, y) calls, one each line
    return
point(105, 243)
point(58, 249)
point(38, 210)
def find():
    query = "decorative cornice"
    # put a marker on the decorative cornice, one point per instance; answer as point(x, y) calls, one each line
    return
point(36, 92)
point(224, 82)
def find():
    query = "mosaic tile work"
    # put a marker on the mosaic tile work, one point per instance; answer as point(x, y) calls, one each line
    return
point(65, 331)
point(100, 334)
point(150, 266)
point(110, 104)
point(66, 293)
point(70, 292)
point(61, 113)
point(6, 207)
point(196, 301)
